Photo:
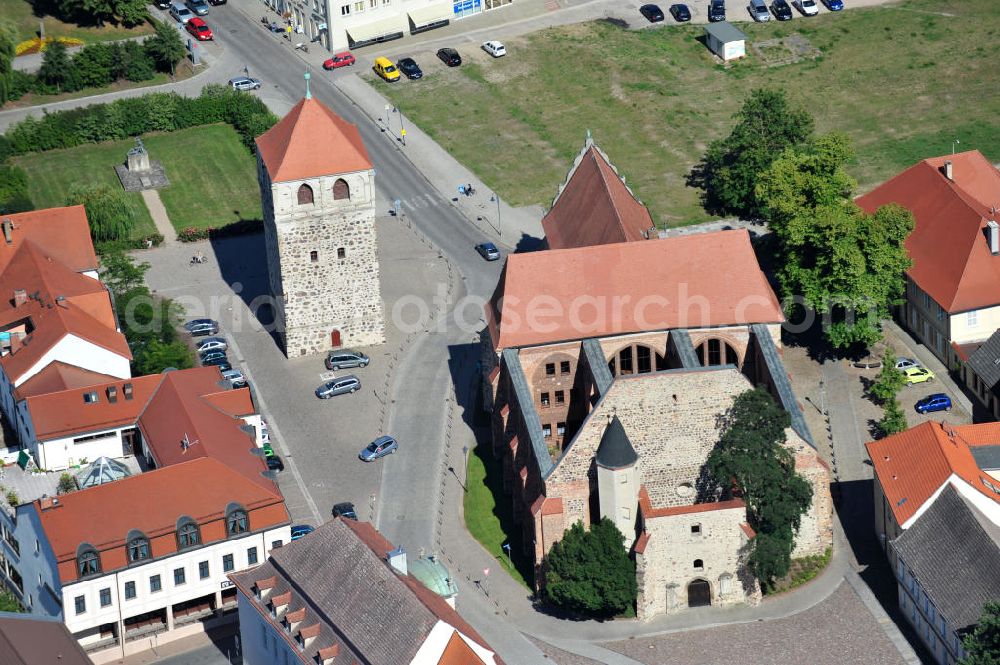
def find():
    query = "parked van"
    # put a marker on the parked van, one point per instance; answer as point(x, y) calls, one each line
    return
point(180, 13)
point(384, 68)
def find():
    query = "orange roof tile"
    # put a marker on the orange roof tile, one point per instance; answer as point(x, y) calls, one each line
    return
point(59, 376)
point(65, 413)
point(310, 141)
point(748, 530)
point(700, 280)
point(646, 505)
point(912, 465)
point(103, 515)
point(236, 403)
point(62, 233)
point(458, 652)
point(595, 207)
point(948, 246)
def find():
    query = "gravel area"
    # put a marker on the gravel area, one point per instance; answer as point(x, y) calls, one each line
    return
point(838, 630)
point(560, 657)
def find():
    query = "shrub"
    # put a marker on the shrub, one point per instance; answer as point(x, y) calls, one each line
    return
point(12, 498)
point(193, 234)
point(14, 190)
point(67, 484)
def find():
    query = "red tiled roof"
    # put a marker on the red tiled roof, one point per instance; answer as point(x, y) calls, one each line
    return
point(948, 246)
point(748, 530)
point(458, 652)
point(312, 141)
point(912, 465)
point(65, 413)
point(236, 403)
point(700, 280)
point(59, 376)
point(152, 503)
point(62, 233)
point(595, 207)
point(646, 505)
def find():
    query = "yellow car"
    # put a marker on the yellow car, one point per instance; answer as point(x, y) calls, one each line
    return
point(917, 375)
point(384, 68)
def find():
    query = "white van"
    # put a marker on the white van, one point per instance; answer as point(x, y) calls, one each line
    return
point(180, 13)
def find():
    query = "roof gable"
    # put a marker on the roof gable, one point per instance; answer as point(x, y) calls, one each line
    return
point(59, 376)
point(66, 412)
point(62, 233)
point(311, 141)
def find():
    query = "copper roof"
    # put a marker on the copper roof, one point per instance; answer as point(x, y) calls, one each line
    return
point(695, 281)
point(948, 246)
point(62, 233)
point(595, 207)
point(310, 141)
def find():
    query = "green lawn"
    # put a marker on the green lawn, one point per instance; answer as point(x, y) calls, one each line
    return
point(489, 523)
point(26, 15)
point(893, 78)
point(213, 179)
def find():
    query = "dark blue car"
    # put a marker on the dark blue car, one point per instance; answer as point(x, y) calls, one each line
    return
point(834, 5)
point(300, 530)
point(935, 402)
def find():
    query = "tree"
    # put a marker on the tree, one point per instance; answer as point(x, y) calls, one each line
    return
point(165, 47)
point(766, 125)
point(752, 459)
point(121, 273)
point(590, 571)
point(982, 645)
point(93, 65)
point(835, 258)
point(889, 380)
point(56, 69)
point(109, 211)
point(893, 418)
point(8, 44)
point(131, 12)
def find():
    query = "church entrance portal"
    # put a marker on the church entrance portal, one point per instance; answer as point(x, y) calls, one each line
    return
point(699, 593)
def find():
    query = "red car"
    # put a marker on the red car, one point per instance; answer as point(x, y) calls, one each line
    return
point(198, 29)
point(344, 59)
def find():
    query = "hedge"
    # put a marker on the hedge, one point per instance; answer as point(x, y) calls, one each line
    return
point(134, 116)
point(192, 234)
point(145, 242)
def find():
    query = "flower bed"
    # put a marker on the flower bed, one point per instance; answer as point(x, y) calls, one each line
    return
point(37, 44)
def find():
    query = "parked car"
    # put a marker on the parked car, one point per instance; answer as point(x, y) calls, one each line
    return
point(834, 5)
point(346, 510)
point(180, 13)
point(758, 11)
point(917, 375)
point(235, 378)
point(807, 7)
point(212, 354)
point(449, 56)
point(781, 10)
point(265, 431)
point(652, 13)
point(717, 10)
point(202, 327)
point(274, 463)
point(221, 363)
point(409, 68)
point(384, 68)
point(344, 358)
point(162, 4)
point(211, 343)
point(341, 386)
point(198, 29)
point(380, 447)
point(488, 251)
point(268, 450)
point(935, 402)
point(339, 60)
point(496, 49)
point(906, 363)
point(300, 530)
point(199, 7)
point(244, 83)
point(216, 2)
point(681, 13)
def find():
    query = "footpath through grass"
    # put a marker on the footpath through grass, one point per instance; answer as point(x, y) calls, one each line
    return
point(893, 78)
point(213, 178)
point(26, 15)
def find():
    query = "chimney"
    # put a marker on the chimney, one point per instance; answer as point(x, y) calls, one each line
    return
point(20, 297)
point(8, 228)
point(993, 230)
point(946, 169)
point(112, 394)
point(127, 390)
point(397, 560)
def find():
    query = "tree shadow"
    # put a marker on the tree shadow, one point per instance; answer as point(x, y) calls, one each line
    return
point(529, 244)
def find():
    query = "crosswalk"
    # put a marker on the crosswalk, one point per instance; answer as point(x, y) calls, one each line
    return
point(421, 202)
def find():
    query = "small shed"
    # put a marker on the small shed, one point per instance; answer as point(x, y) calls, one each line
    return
point(725, 41)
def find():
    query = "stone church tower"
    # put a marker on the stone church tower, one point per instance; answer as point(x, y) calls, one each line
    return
point(318, 192)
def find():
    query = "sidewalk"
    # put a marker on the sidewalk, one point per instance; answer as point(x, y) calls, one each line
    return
point(158, 212)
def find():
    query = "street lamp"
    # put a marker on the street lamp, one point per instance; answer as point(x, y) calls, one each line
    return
point(496, 198)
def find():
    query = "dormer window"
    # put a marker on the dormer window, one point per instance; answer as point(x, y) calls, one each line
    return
point(138, 547)
point(237, 521)
point(88, 561)
point(188, 534)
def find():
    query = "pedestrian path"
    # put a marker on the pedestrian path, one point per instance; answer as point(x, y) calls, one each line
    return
point(158, 212)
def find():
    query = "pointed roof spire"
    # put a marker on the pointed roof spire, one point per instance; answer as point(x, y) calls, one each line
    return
point(307, 76)
point(615, 451)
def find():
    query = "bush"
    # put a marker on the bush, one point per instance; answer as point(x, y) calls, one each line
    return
point(67, 484)
point(590, 571)
point(117, 246)
point(14, 190)
point(192, 234)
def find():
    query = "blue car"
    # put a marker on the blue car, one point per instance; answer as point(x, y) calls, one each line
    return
point(834, 5)
point(935, 402)
point(300, 530)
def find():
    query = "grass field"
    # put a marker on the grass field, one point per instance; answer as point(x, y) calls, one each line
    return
point(903, 81)
point(26, 15)
point(213, 179)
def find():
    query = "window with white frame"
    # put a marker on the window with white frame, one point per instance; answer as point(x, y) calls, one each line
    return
point(972, 318)
point(359, 6)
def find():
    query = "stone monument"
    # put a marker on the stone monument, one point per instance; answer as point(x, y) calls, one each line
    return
point(139, 172)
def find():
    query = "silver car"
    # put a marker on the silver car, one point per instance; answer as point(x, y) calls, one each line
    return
point(339, 386)
point(244, 83)
point(380, 447)
point(199, 7)
point(345, 358)
point(212, 344)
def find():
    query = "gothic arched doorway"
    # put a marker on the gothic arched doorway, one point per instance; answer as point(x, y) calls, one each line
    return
point(713, 352)
point(699, 593)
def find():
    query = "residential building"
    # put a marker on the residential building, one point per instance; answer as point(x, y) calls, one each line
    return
point(317, 189)
point(342, 595)
point(952, 300)
point(26, 640)
point(937, 515)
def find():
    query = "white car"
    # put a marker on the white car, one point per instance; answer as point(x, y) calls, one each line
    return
point(906, 363)
point(496, 49)
point(807, 7)
point(244, 83)
point(211, 344)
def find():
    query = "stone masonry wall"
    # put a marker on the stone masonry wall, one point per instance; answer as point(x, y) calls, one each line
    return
point(816, 530)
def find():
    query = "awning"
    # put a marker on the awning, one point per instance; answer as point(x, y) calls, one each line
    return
point(370, 32)
point(428, 15)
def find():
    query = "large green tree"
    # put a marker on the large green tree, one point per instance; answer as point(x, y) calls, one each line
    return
point(893, 418)
point(590, 572)
point(56, 69)
point(751, 457)
point(982, 645)
point(165, 47)
point(889, 380)
point(766, 125)
point(8, 44)
point(110, 213)
point(836, 260)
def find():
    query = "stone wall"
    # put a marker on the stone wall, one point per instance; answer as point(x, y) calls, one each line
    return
point(816, 530)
